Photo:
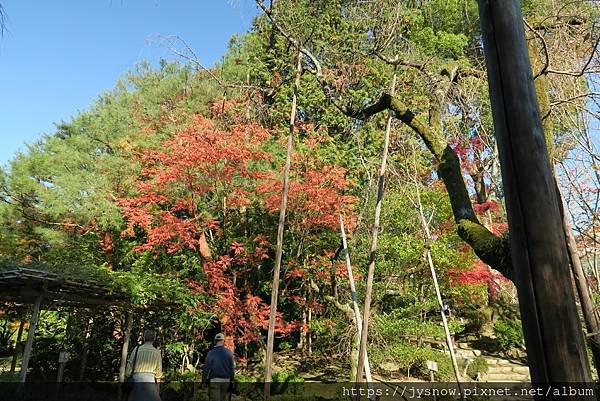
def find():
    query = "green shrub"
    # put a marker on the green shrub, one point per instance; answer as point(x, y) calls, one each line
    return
point(391, 325)
point(286, 382)
point(285, 346)
point(476, 319)
point(478, 366)
point(412, 359)
point(240, 378)
point(9, 377)
point(509, 334)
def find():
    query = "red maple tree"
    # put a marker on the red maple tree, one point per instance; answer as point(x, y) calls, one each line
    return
point(206, 172)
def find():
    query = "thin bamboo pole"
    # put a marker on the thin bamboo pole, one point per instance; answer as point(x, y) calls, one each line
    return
point(280, 228)
point(375, 232)
point(427, 234)
point(356, 309)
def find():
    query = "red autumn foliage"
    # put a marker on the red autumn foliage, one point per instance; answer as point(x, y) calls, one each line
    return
point(204, 172)
point(315, 198)
point(481, 208)
point(478, 274)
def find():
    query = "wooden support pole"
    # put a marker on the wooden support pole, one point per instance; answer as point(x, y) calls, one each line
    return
point(62, 363)
point(280, 228)
point(86, 348)
point(590, 317)
point(438, 294)
point(64, 355)
point(362, 351)
point(355, 307)
point(35, 315)
point(125, 349)
point(18, 346)
point(553, 336)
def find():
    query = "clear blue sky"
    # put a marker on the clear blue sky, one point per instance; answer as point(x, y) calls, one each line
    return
point(58, 56)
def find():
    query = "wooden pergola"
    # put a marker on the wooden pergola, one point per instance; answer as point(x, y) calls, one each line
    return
point(24, 285)
point(47, 290)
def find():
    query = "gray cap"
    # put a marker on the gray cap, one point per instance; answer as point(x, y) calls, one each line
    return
point(219, 337)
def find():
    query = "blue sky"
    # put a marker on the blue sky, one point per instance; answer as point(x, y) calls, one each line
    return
point(58, 56)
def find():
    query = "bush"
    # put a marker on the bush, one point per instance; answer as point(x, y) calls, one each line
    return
point(9, 377)
point(412, 359)
point(392, 325)
point(285, 346)
point(476, 319)
point(509, 334)
point(478, 366)
point(286, 382)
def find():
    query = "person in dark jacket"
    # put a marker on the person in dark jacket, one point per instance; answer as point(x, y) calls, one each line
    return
point(218, 370)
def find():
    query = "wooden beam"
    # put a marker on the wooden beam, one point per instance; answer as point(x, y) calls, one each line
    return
point(86, 347)
point(553, 336)
point(35, 315)
point(125, 349)
point(18, 345)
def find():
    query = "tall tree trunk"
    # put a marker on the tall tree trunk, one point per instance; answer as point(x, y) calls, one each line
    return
point(280, 228)
point(555, 345)
point(375, 232)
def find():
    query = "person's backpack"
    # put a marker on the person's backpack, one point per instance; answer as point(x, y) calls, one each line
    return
point(127, 385)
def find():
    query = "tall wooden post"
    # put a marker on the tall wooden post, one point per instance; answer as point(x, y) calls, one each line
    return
point(126, 339)
point(590, 316)
point(35, 315)
point(553, 337)
point(86, 348)
point(64, 355)
point(18, 346)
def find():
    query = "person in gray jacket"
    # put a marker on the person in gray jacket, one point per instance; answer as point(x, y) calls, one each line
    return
point(219, 370)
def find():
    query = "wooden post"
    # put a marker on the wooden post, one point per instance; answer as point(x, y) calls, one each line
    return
point(125, 349)
point(63, 358)
point(280, 228)
point(309, 321)
point(35, 315)
point(357, 316)
point(553, 336)
point(18, 346)
point(590, 316)
point(64, 355)
point(86, 348)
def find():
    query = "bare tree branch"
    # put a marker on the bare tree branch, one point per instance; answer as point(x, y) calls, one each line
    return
point(171, 43)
